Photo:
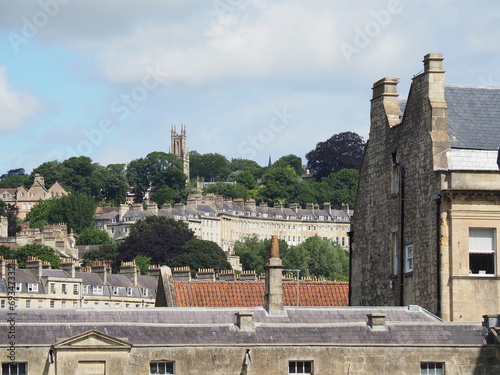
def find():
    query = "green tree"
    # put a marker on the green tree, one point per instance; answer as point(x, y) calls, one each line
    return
point(157, 170)
point(293, 161)
point(208, 167)
point(39, 215)
point(319, 257)
point(76, 210)
point(93, 236)
point(166, 195)
point(201, 254)
point(344, 185)
point(14, 178)
point(143, 263)
point(246, 178)
point(279, 185)
point(227, 190)
point(253, 252)
point(21, 254)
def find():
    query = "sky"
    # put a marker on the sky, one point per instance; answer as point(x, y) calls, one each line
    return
point(248, 79)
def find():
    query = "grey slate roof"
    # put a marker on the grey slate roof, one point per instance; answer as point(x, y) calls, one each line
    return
point(473, 116)
point(187, 326)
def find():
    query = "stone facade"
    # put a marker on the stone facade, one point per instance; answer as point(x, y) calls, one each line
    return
point(179, 148)
point(227, 221)
point(26, 199)
point(423, 190)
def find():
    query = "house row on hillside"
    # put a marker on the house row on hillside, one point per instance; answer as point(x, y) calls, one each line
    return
point(38, 286)
point(226, 221)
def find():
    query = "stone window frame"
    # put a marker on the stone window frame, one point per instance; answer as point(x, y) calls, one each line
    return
point(161, 367)
point(409, 256)
point(485, 253)
point(14, 368)
point(301, 367)
point(432, 368)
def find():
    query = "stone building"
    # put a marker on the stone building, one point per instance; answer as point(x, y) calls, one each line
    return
point(26, 199)
point(179, 147)
point(428, 213)
point(267, 340)
point(225, 221)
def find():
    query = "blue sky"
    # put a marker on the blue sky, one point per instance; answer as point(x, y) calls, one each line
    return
point(248, 78)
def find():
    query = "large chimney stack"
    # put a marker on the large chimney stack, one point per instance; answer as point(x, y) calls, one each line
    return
point(273, 299)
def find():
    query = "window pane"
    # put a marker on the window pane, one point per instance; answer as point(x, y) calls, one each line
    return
point(482, 263)
point(481, 239)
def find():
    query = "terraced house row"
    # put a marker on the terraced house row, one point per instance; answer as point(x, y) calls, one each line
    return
point(226, 221)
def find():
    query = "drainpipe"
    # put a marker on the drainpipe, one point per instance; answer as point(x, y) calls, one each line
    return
point(438, 250)
point(402, 234)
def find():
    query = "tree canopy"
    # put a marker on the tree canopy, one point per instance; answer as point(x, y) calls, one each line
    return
point(343, 150)
point(93, 236)
point(21, 254)
point(316, 256)
point(76, 210)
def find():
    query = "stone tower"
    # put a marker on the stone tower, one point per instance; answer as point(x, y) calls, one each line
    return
point(179, 147)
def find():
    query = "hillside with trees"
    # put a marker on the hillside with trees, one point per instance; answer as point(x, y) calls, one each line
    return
point(333, 165)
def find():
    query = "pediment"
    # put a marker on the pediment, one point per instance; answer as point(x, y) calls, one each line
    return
point(93, 339)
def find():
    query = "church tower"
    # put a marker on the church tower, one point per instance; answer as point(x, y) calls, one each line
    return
point(179, 147)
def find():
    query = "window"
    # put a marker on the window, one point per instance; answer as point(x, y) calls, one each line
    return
point(75, 288)
point(28, 303)
point(129, 291)
point(75, 304)
point(144, 292)
point(395, 253)
point(409, 258)
point(86, 289)
point(2, 304)
point(19, 287)
point(14, 368)
point(63, 304)
point(115, 290)
point(482, 247)
point(52, 288)
point(40, 303)
point(300, 367)
point(430, 368)
point(64, 289)
point(32, 287)
point(161, 368)
point(97, 289)
point(52, 304)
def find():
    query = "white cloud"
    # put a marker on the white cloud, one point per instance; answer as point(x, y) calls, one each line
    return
point(15, 106)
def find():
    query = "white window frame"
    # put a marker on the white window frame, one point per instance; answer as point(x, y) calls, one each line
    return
point(300, 367)
point(86, 289)
point(409, 258)
point(432, 368)
point(33, 287)
point(19, 287)
point(75, 288)
point(482, 241)
point(130, 291)
point(97, 289)
point(161, 367)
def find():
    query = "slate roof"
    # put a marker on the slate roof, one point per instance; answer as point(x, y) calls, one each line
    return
point(204, 326)
point(251, 294)
point(473, 116)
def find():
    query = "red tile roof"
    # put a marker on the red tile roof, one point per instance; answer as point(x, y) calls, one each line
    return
point(12, 245)
point(251, 293)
